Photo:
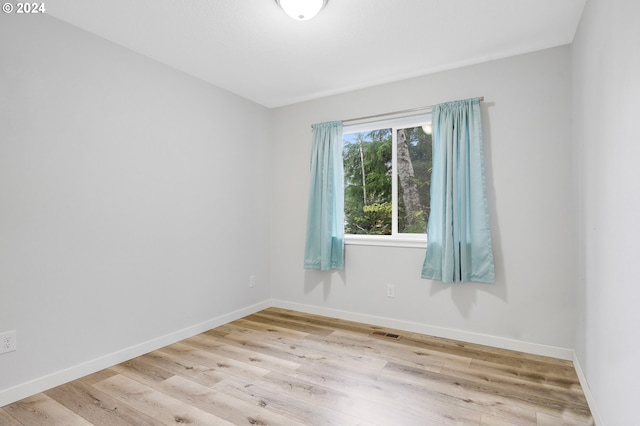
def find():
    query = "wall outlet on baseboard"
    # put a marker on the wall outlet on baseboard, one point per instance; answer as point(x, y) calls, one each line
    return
point(391, 290)
point(8, 341)
point(252, 281)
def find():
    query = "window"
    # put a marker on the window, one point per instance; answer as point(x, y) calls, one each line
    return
point(387, 172)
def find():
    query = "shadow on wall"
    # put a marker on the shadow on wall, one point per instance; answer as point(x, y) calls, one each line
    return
point(314, 278)
point(464, 295)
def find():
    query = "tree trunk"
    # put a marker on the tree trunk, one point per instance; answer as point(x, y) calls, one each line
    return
point(364, 180)
point(410, 195)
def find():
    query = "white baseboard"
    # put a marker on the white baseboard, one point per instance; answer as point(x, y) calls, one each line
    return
point(448, 333)
point(587, 391)
point(16, 393)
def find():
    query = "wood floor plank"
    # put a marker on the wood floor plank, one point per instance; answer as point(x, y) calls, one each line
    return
point(96, 406)
point(381, 388)
point(486, 395)
point(41, 410)
point(385, 347)
point(383, 409)
point(308, 349)
point(301, 410)
point(539, 387)
point(269, 328)
point(416, 389)
point(551, 377)
point(214, 361)
point(318, 320)
point(7, 420)
point(163, 408)
point(295, 389)
point(240, 354)
point(563, 419)
point(281, 367)
point(283, 322)
point(175, 364)
point(489, 420)
point(234, 410)
point(142, 370)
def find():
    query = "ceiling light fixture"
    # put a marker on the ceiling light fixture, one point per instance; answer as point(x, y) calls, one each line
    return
point(302, 10)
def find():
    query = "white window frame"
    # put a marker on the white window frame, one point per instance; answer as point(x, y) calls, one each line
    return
point(396, 239)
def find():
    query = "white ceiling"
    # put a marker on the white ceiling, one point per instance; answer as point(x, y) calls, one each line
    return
point(252, 48)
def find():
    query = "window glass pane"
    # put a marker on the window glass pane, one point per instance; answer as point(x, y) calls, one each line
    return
point(367, 172)
point(414, 178)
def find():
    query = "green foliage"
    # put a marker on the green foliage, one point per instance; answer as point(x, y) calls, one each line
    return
point(376, 152)
point(373, 219)
point(416, 224)
point(373, 215)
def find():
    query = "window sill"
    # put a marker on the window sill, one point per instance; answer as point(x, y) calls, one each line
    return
point(386, 241)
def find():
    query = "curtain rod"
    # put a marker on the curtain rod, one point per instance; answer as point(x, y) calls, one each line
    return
point(405, 111)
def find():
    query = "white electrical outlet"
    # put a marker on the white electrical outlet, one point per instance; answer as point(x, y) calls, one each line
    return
point(252, 281)
point(7, 342)
point(391, 290)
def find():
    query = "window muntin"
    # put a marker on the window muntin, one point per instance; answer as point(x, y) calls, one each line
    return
point(391, 202)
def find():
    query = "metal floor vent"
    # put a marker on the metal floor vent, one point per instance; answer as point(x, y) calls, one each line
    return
point(385, 334)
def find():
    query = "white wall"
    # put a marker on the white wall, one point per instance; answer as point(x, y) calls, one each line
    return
point(133, 200)
point(606, 105)
point(529, 161)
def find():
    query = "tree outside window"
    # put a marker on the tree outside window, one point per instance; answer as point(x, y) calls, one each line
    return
point(387, 177)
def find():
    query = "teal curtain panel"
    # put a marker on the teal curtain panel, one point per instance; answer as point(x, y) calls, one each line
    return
point(459, 246)
point(324, 247)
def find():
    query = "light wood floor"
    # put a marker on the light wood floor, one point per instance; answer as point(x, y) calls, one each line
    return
point(280, 367)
